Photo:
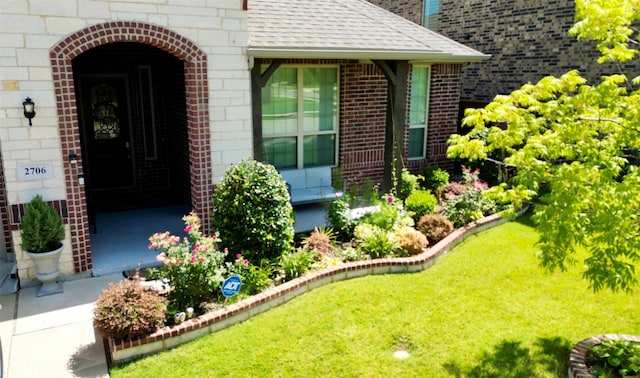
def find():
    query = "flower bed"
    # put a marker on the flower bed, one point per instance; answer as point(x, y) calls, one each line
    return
point(577, 359)
point(168, 337)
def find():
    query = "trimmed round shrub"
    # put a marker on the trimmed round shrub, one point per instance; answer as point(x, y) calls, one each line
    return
point(412, 241)
point(435, 227)
point(252, 213)
point(421, 202)
point(128, 310)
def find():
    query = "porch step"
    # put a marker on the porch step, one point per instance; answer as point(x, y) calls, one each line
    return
point(10, 283)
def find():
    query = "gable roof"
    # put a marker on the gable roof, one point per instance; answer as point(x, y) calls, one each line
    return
point(345, 29)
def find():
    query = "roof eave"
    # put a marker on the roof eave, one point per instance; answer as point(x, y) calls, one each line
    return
point(417, 56)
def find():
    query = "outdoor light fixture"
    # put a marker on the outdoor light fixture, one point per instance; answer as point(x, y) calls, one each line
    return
point(29, 109)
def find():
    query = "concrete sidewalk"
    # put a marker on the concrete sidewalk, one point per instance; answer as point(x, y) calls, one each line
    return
point(53, 336)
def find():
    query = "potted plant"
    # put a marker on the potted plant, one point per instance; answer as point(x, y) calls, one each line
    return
point(42, 234)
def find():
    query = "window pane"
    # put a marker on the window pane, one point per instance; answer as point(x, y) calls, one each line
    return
point(280, 103)
point(280, 152)
point(419, 86)
point(320, 99)
point(431, 8)
point(319, 150)
point(416, 143)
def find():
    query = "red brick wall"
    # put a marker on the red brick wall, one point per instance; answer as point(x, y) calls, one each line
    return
point(363, 109)
point(444, 98)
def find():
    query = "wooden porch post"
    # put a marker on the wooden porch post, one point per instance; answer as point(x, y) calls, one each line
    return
point(397, 74)
point(258, 81)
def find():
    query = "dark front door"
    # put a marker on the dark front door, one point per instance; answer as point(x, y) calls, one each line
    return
point(105, 128)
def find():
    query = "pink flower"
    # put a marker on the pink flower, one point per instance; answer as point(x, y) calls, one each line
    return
point(389, 199)
point(238, 256)
point(194, 259)
point(187, 229)
point(346, 205)
point(245, 262)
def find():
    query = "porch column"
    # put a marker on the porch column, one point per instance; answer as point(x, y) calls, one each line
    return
point(397, 74)
point(258, 81)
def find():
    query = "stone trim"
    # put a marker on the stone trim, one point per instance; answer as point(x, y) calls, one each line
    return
point(577, 359)
point(169, 337)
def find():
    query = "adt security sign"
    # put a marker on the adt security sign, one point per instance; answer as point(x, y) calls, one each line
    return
point(231, 286)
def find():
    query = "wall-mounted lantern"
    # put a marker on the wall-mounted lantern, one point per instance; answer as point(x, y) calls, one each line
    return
point(29, 109)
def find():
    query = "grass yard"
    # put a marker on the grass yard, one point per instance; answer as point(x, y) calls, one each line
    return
point(484, 310)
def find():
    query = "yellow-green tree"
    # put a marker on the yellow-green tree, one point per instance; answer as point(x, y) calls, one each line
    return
point(575, 148)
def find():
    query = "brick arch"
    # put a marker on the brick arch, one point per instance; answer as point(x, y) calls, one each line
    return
point(196, 97)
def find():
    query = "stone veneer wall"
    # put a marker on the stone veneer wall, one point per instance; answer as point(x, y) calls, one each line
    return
point(526, 39)
point(169, 337)
point(39, 40)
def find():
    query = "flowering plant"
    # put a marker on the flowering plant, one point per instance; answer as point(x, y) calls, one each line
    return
point(255, 279)
point(338, 215)
point(193, 267)
point(468, 204)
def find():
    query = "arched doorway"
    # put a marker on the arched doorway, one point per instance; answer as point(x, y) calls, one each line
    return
point(133, 127)
point(72, 74)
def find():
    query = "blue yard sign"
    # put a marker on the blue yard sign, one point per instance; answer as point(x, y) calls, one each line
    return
point(231, 286)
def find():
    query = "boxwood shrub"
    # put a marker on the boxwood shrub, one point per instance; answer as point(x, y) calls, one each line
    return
point(252, 213)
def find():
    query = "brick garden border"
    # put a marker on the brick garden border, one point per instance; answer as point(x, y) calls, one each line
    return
point(577, 359)
point(169, 337)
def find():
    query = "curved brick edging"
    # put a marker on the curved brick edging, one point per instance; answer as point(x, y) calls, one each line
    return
point(577, 359)
point(169, 337)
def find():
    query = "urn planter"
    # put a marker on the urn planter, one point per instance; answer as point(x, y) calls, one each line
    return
point(47, 271)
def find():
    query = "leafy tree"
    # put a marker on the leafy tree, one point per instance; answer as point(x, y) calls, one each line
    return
point(574, 146)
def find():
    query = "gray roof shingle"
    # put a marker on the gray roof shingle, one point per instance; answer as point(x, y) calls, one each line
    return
point(350, 29)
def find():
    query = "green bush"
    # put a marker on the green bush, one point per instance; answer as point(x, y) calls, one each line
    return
point(375, 241)
point(408, 183)
point(338, 217)
point(435, 227)
point(193, 266)
point(42, 227)
point(297, 263)
point(255, 279)
point(620, 358)
point(420, 202)
point(252, 212)
point(127, 310)
point(434, 178)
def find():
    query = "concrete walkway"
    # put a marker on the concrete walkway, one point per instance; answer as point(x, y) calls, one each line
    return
point(53, 336)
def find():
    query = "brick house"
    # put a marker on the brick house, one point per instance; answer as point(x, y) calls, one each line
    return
point(526, 40)
point(144, 103)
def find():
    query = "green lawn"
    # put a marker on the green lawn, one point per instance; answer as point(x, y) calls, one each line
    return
point(484, 310)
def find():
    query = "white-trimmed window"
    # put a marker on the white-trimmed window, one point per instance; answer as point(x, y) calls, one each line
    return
point(419, 112)
point(300, 117)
